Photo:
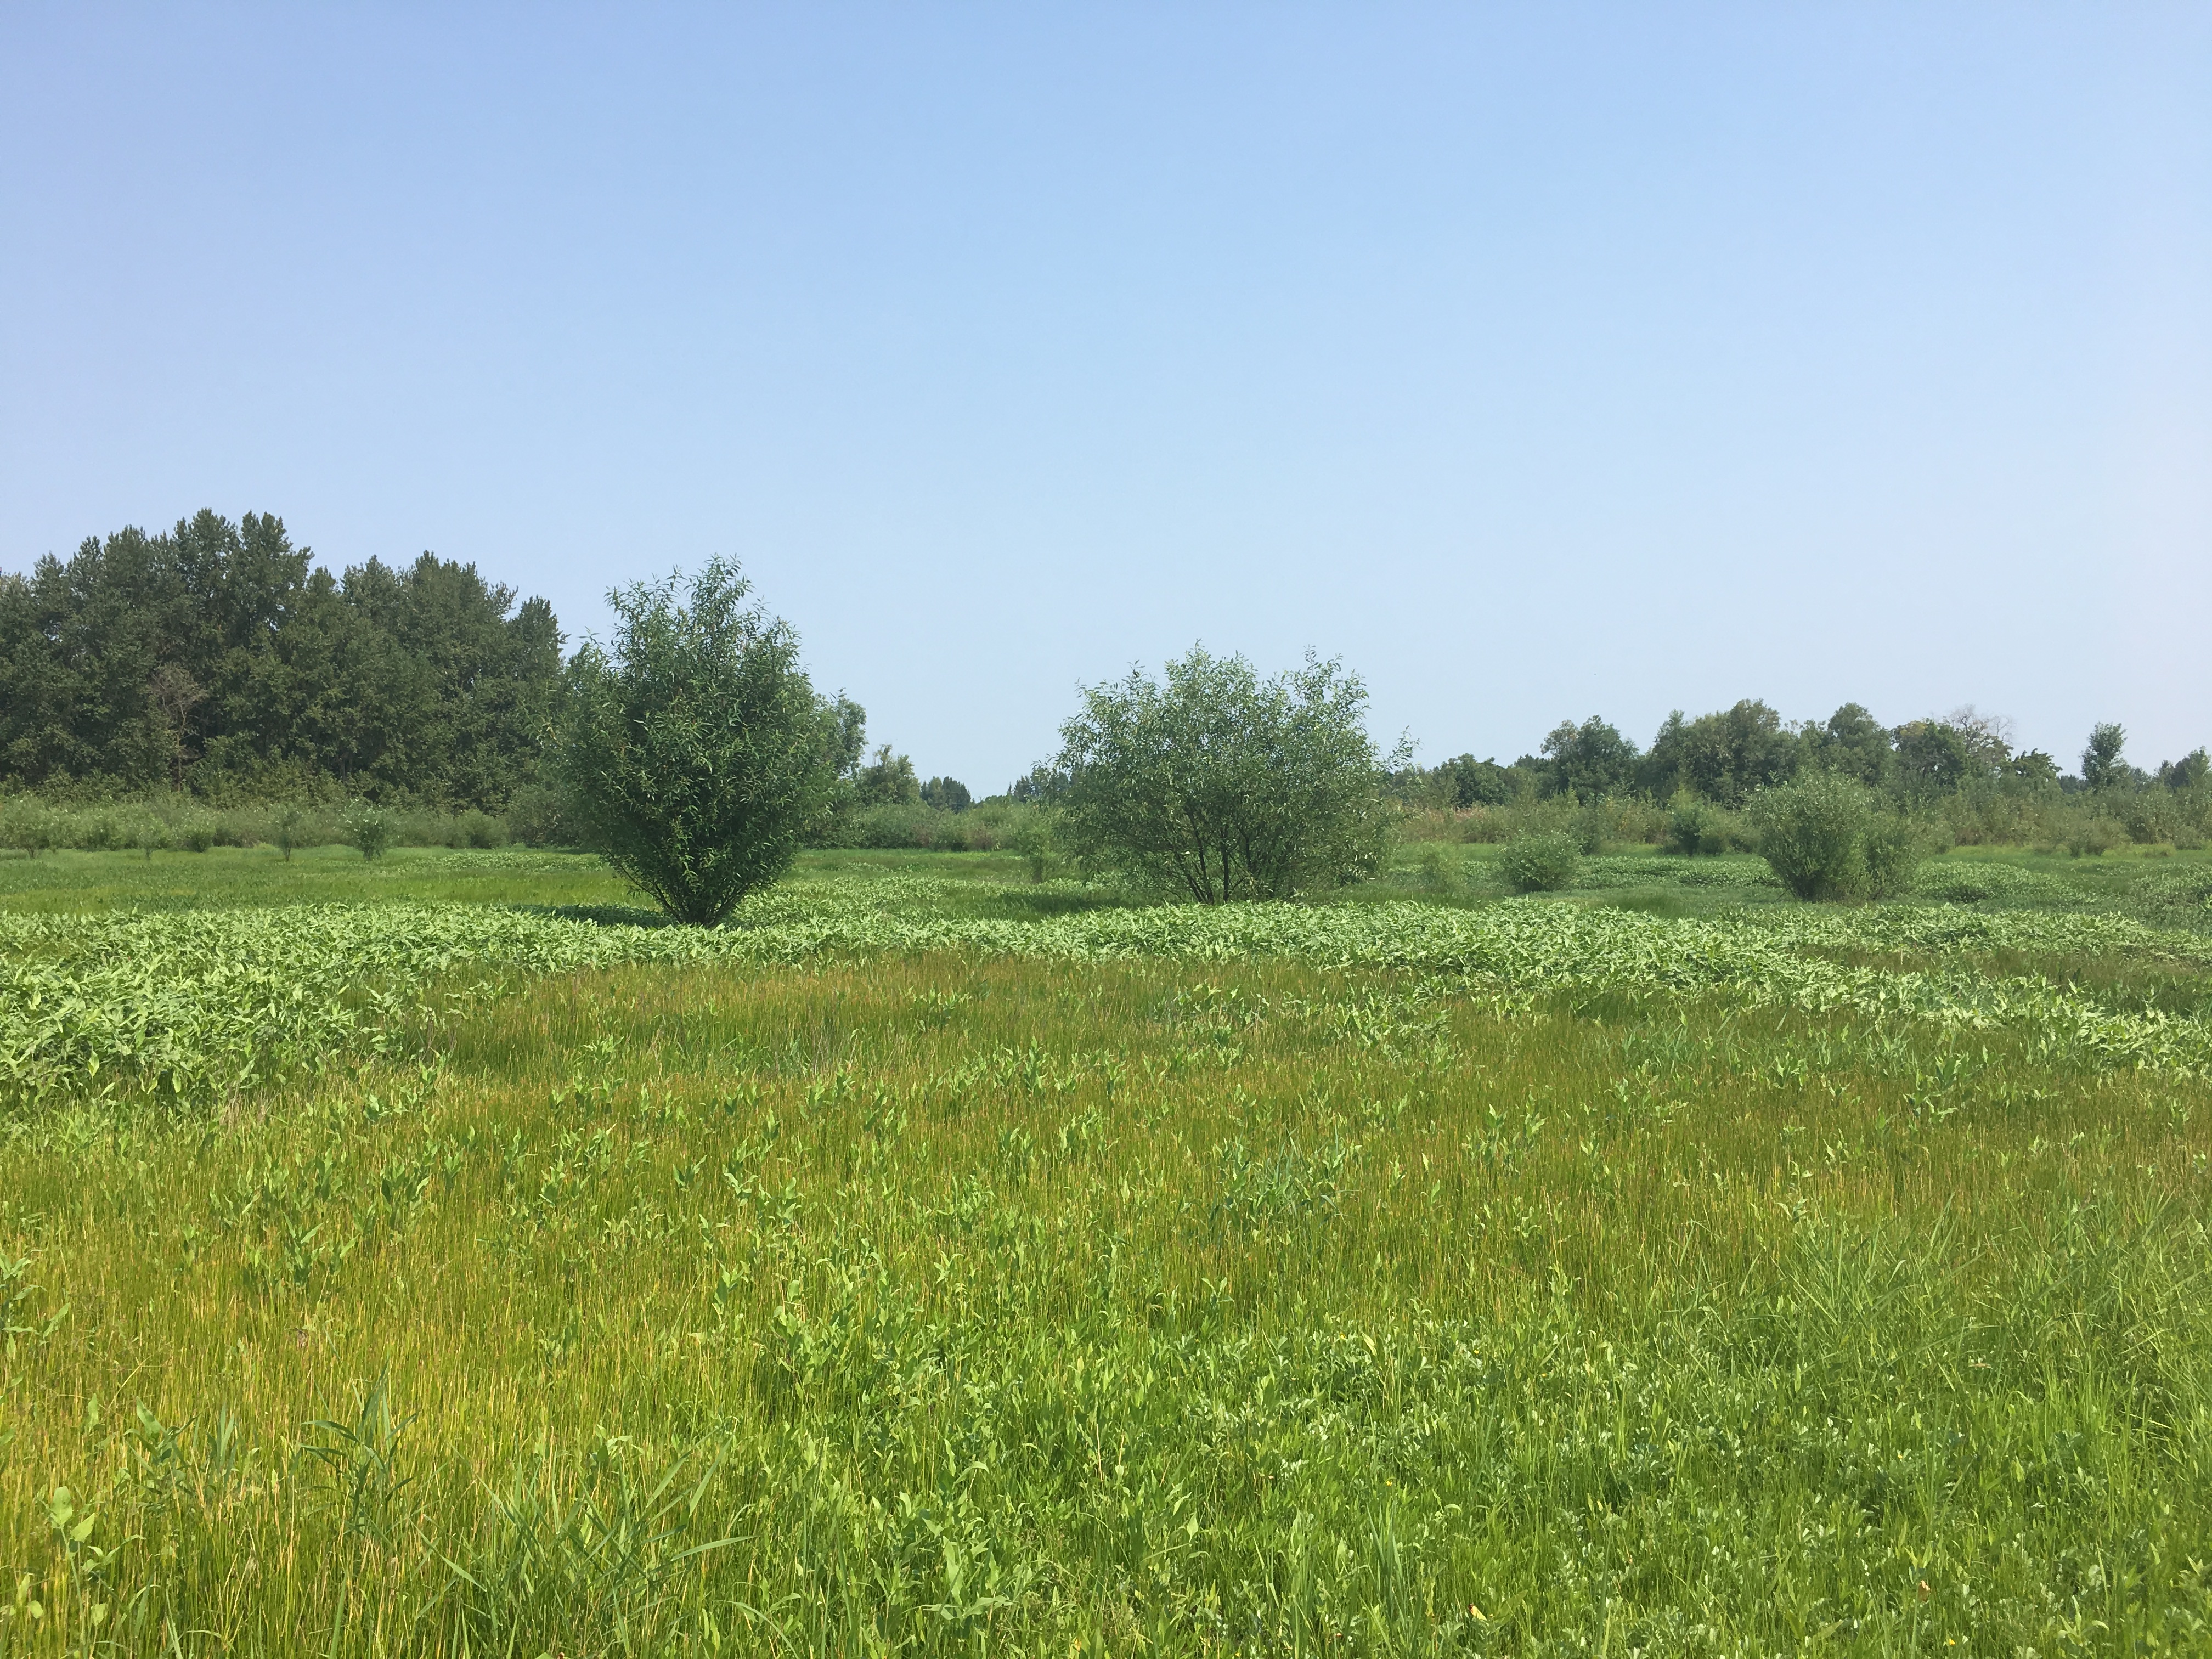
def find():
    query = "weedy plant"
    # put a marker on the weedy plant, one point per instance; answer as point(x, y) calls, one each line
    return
point(1541, 864)
point(880, 1272)
point(1696, 826)
point(368, 827)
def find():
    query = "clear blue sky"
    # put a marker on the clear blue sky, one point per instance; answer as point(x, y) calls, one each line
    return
point(1540, 360)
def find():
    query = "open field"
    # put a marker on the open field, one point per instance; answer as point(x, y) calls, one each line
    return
point(936, 1262)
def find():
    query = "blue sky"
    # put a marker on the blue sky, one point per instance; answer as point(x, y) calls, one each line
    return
point(1540, 361)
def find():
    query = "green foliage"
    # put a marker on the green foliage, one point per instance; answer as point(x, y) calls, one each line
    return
point(1541, 864)
point(191, 1008)
point(479, 830)
point(26, 825)
point(916, 825)
point(2191, 773)
point(887, 781)
point(1895, 847)
point(1852, 742)
point(1035, 837)
point(848, 736)
point(287, 825)
point(542, 815)
point(1813, 834)
point(695, 749)
point(217, 657)
point(947, 795)
point(1459, 783)
point(1039, 786)
point(1829, 838)
point(1936, 758)
point(885, 1274)
point(368, 827)
point(1587, 761)
point(1220, 786)
point(2102, 765)
point(1725, 757)
point(1695, 826)
point(2086, 833)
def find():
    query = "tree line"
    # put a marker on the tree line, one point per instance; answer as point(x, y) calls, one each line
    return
point(218, 661)
point(217, 658)
point(1728, 756)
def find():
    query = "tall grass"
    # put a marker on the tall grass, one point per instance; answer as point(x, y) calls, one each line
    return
point(31, 826)
point(949, 1303)
point(1629, 820)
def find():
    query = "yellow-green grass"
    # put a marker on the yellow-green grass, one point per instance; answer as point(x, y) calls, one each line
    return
point(227, 876)
point(223, 876)
point(948, 1303)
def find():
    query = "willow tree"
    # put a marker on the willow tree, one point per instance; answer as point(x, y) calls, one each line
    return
point(1220, 785)
point(692, 744)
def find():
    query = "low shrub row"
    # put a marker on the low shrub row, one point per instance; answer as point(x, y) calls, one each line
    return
point(2082, 825)
point(998, 826)
point(31, 825)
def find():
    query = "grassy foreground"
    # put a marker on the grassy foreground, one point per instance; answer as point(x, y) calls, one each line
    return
point(910, 1288)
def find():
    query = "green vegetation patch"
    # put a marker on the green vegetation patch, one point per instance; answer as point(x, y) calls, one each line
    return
point(941, 1305)
point(197, 1006)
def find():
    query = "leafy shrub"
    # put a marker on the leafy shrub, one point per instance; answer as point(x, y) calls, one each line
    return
point(541, 815)
point(27, 825)
point(696, 749)
point(1896, 846)
point(149, 832)
point(478, 828)
point(889, 826)
point(2178, 816)
point(1813, 834)
point(949, 834)
point(1438, 872)
point(288, 826)
point(1696, 826)
point(369, 828)
point(2090, 835)
point(1035, 839)
point(1591, 826)
point(1635, 818)
point(1221, 786)
point(1541, 864)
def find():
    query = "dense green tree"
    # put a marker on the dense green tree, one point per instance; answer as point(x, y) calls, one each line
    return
point(694, 745)
point(1039, 786)
point(1589, 761)
point(1463, 781)
point(2192, 771)
point(1471, 782)
point(1222, 786)
point(849, 739)
point(1852, 742)
point(947, 795)
point(1722, 757)
point(2102, 765)
point(887, 781)
point(217, 657)
point(1933, 757)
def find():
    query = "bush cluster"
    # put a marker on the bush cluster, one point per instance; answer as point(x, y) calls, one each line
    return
point(1542, 863)
point(993, 826)
point(1827, 837)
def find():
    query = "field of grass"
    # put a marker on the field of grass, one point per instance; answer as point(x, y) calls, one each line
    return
point(419, 1257)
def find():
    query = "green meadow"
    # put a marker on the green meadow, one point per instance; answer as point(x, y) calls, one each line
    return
point(429, 1256)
